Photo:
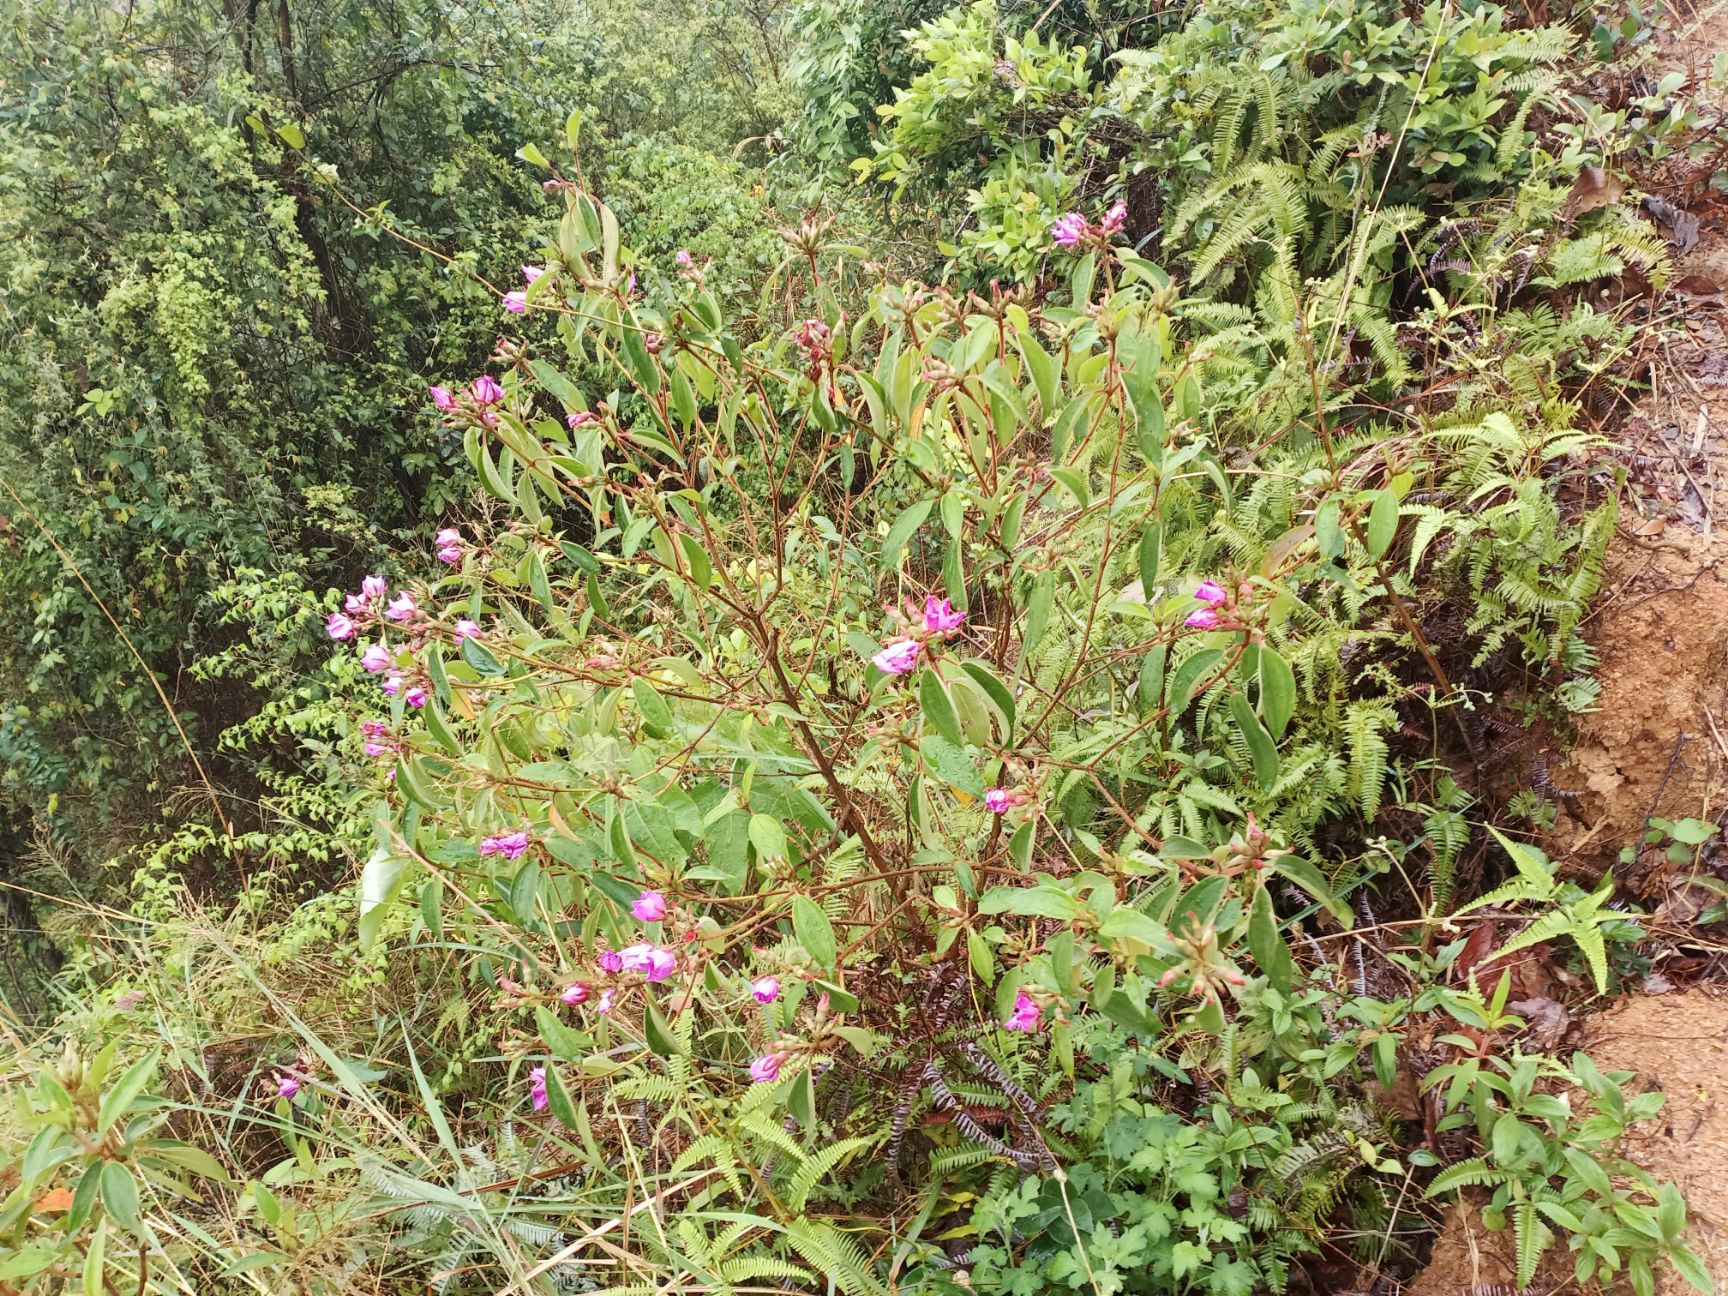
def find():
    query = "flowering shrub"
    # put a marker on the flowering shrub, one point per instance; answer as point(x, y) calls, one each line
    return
point(822, 695)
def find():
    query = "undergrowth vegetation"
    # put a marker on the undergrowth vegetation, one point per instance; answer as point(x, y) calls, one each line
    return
point(959, 743)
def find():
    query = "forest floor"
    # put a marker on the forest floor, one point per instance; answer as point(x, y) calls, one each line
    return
point(1657, 746)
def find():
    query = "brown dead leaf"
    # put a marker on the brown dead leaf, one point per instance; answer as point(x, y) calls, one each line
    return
point(54, 1200)
point(1595, 187)
point(1651, 526)
point(1697, 285)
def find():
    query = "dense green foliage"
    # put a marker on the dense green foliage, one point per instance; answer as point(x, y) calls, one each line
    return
point(893, 725)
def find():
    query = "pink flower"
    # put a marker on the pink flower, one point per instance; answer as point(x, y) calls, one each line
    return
point(1070, 230)
point(355, 605)
point(392, 684)
point(446, 537)
point(653, 962)
point(466, 629)
point(287, 1085)
point(766, 1069)
point(766, 989)
point(511, 846)
point(338, 626)
point(1204, 619)
point(486, 390)
point(374, 587)
point(374, 728)
point(376, 658)
point(898, 657)
point(1114, 220)
point(531, 273)
point(605, 1004)
point(442, 398)
point(537, 1089)
point(940, 616)
point(580, 419)
point(401, 608)
point(575, 994)
point(1026, 1014)
point(415, 697)
point(684, 259)
point(997, 800)
point(611, 961)
point(516, 303)
point(373, 747)
point(1211, 593)
point(650, 906)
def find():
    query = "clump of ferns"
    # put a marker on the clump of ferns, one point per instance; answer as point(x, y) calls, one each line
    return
point(947, 1070)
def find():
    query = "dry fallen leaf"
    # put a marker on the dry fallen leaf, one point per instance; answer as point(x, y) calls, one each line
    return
point(1651, 526)
point(1595, 187)
point(54, 1200)
point(1696, 285)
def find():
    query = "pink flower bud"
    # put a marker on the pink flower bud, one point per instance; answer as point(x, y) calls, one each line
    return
point(575, 994)
point(466, 629)
point(537, 1089)
point(1204, 619)
point(516, 303)
point(376, 658)
point(531, 273)
point(415, 697)
point(392, 684)
point(650, 906)
point(611, 961)
point(684, 259)
point(997, 800)
point(766, 1069)
point(287, 1085)
point(581, 418)
point(401, 608)
point(1070, 230)
point(339, 626)
point(766, 989)
point(374, 587)
point(442, 398)
point(486, 390)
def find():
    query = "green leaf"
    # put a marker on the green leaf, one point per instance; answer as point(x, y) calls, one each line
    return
point(1382, 524)
point(1266, 943)
point(901, 531)
point(938, 707)
point(380, 882)
point(292, 135)
point(998, 692)
point(126, 1091)
point(658, 1031)
point(657, 721)
point(120, 1195)
point(949, 763)
point(1187, 677)
point(1127, 923)
point(814, 931)
point(480, 658)
point(1277, 691)
point(1150, 542)
point(558, 1099)
point(1260, 746)
point(768, 836)
point(1040, 600)
point(1030, 902)
point(95, 1259)
point(1310, 879)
